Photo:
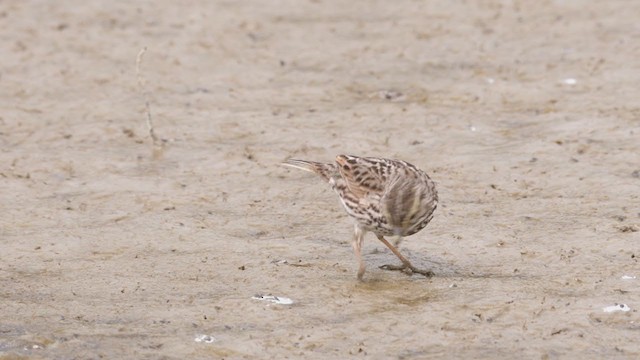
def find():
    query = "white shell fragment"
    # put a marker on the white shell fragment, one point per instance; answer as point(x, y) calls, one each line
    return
point(628, 277)
point(274, 299)
point(569, 81)
point(203, 338)
point(617, 307)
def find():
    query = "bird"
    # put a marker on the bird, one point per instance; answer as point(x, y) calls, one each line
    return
point(391, 198)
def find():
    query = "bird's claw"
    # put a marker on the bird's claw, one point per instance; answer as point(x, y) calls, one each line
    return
point(408, 269)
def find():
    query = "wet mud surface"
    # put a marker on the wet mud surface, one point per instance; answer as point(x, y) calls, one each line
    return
point(526, 116)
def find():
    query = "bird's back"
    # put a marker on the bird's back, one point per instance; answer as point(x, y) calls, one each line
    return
point(387, 197)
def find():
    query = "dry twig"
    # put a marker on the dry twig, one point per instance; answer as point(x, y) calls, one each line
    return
point(158, 143)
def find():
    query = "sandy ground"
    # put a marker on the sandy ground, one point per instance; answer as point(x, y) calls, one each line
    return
point(525, 113)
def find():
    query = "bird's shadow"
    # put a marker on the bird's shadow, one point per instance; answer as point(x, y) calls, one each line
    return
point(441, 268)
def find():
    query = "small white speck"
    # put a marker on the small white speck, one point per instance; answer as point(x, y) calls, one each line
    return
point(472, 128)
point(569, 81)
point(274, 299)
point(203, 338)
point(391, 95)
point(628, 277)
point(616, 308)
point(490, 81)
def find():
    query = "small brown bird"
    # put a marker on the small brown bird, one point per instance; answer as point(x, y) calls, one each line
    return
point(386, 197)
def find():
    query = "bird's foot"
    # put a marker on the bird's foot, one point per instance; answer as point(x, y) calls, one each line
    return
point(408, 269)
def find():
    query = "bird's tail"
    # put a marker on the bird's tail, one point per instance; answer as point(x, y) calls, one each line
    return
point(326, 171)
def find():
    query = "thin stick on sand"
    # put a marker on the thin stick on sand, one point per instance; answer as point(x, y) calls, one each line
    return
point(158, 144)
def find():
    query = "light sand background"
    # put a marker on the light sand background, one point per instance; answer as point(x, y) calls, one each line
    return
point(525, 113)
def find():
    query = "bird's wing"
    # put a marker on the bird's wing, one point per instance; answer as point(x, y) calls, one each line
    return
point(363, 175)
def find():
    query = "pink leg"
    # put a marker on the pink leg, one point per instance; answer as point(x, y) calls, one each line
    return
point(358, 240)
point(406, 266)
